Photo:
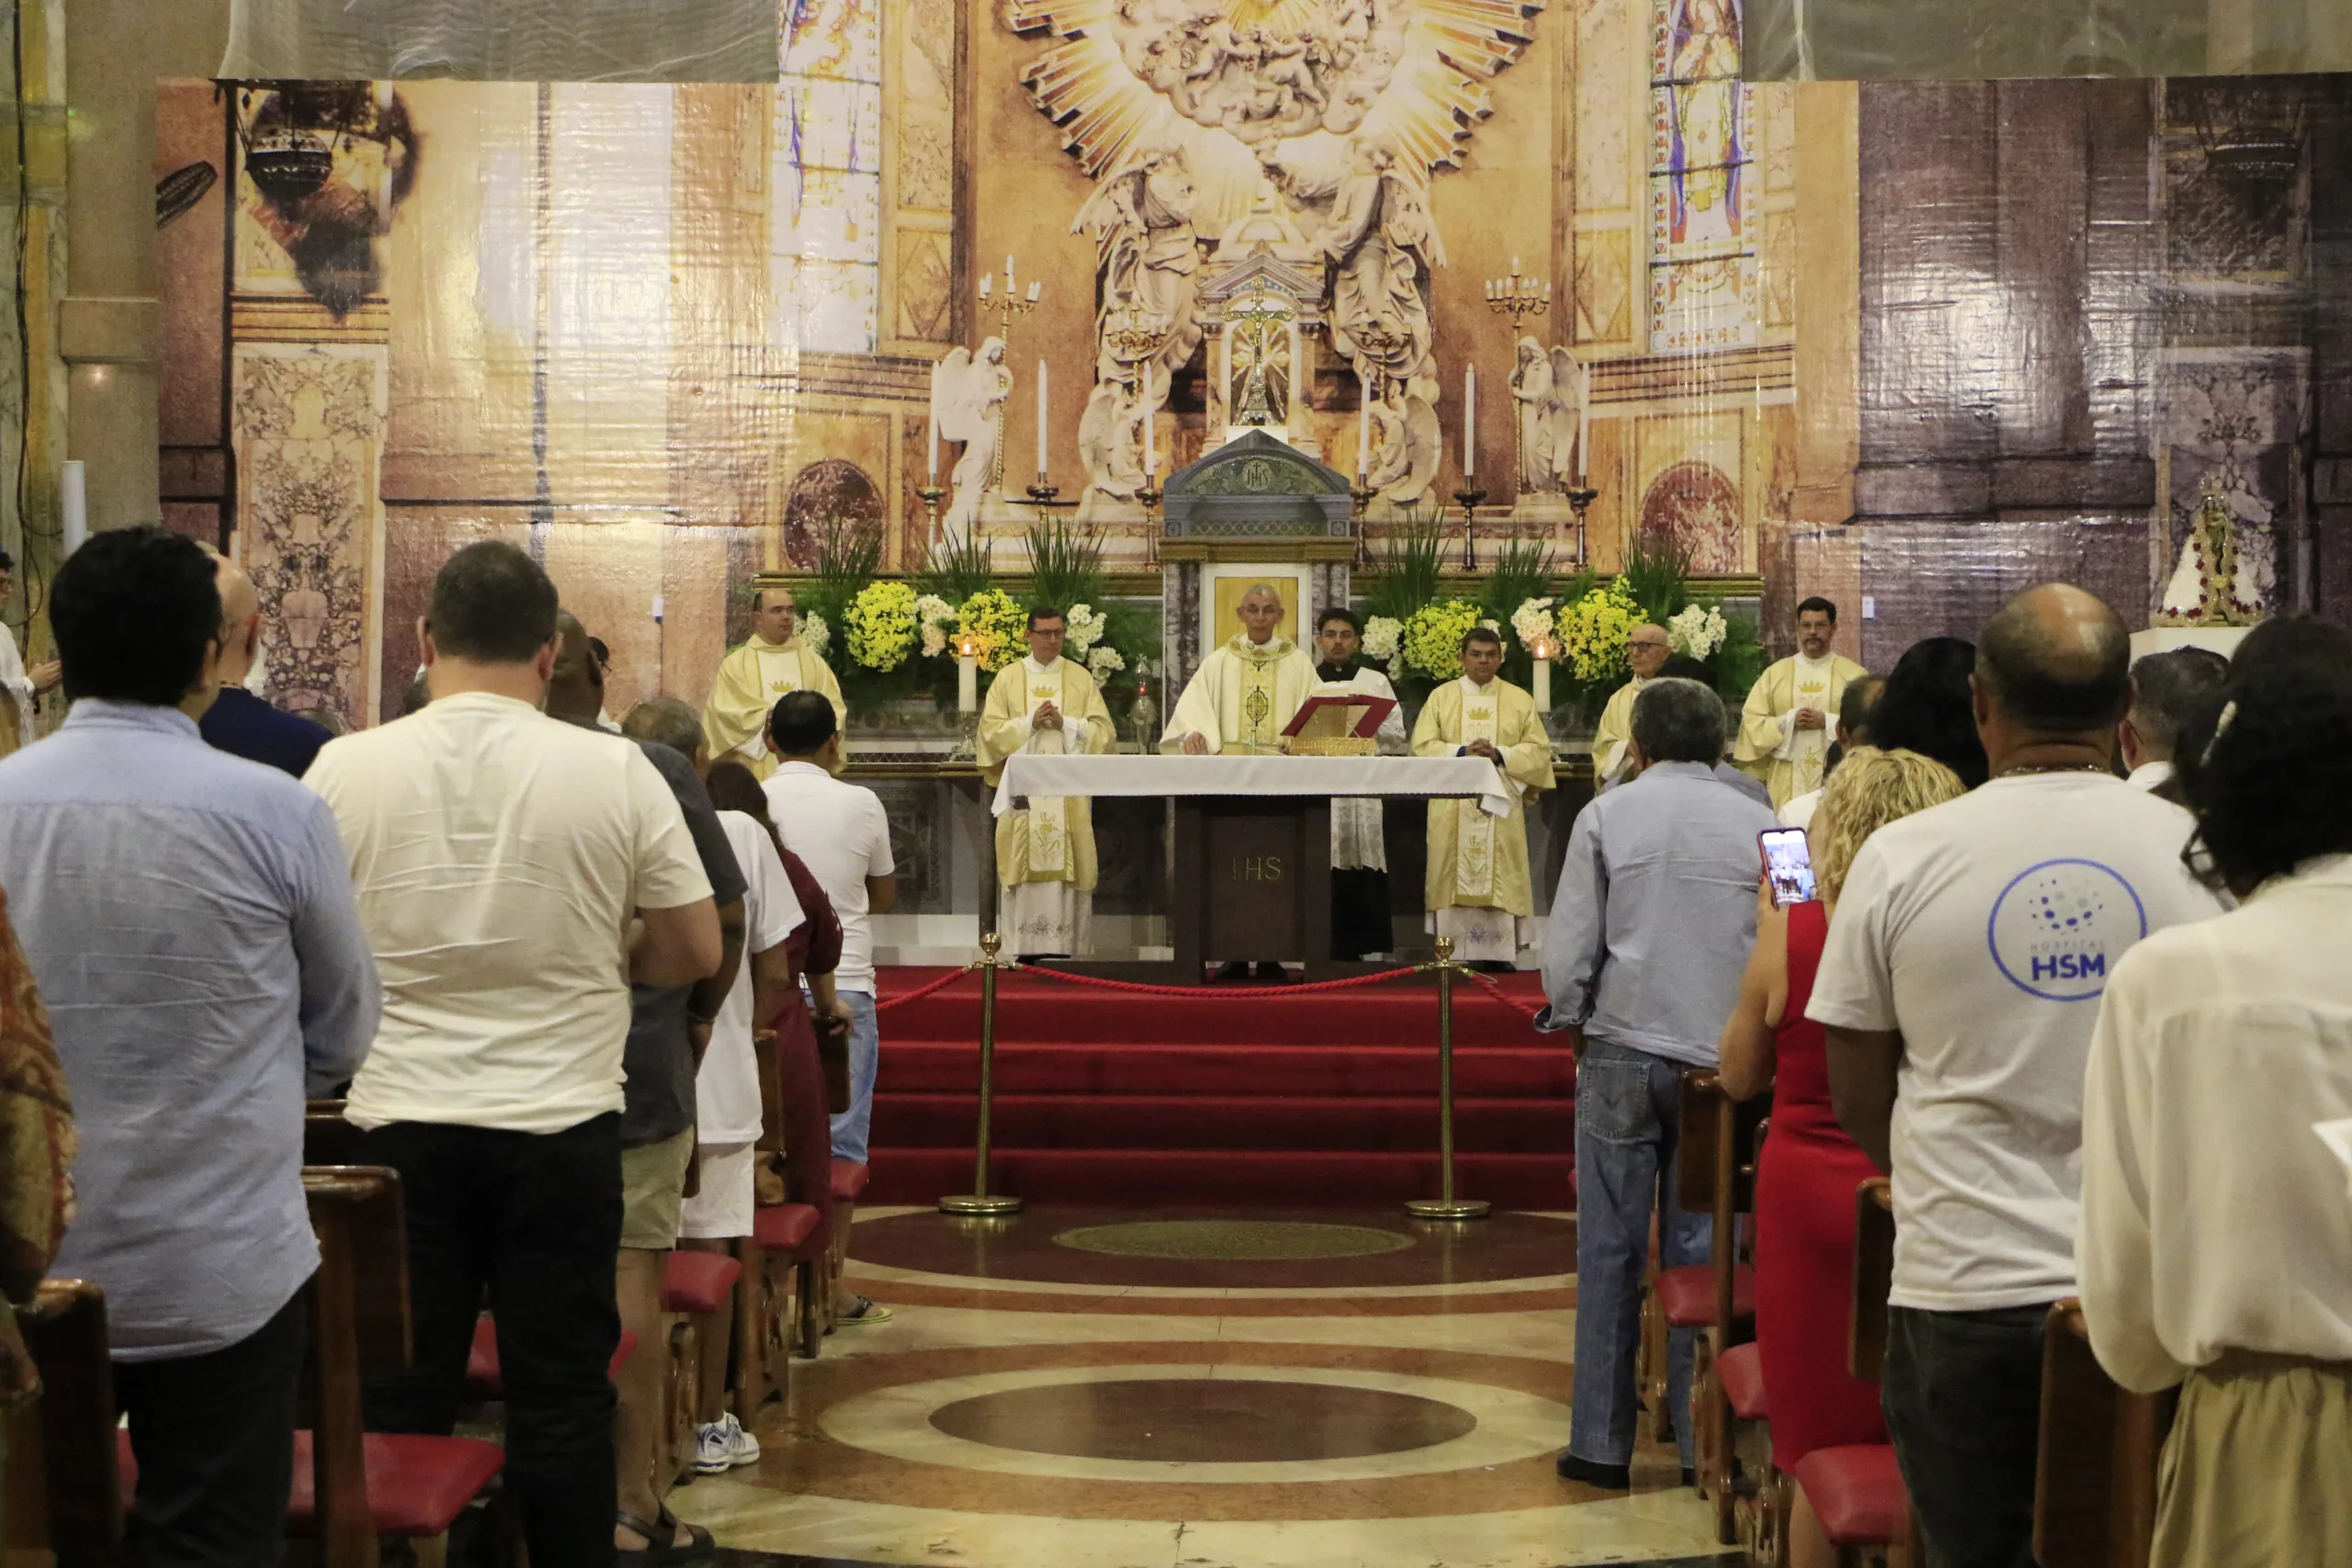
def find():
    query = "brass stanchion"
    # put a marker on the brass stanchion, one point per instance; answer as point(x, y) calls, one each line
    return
point(1445, 1206)
point(979, 1200)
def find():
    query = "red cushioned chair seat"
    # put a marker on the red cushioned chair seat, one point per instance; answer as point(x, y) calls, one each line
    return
point(1858, 1492)
point(849, 1181)
point(482, 1382)
point(698, 1281)
point(1741, 1369)
point(1688, 1295)
point(784, 1227)
point(416, 1485)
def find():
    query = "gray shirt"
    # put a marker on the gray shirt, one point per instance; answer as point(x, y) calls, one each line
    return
point(188, 919)
point(1656, 911)
point(659, 1096)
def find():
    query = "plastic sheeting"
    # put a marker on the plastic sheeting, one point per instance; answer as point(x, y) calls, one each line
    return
point(1960, 40)
point(507, 40)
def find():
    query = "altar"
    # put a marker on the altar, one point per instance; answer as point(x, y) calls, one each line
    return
point(1253, 841)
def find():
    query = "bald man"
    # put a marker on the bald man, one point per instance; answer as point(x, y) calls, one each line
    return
point(1246, 690)
point(1959, 987)
point(239, 722)
point(1647, 650)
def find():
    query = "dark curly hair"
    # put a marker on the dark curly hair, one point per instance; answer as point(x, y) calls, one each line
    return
point(1925, 707)
point(2271, 779)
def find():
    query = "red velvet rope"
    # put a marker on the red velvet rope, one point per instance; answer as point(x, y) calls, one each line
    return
point(1495, 987)
point(922, 991)
point(1215, 993)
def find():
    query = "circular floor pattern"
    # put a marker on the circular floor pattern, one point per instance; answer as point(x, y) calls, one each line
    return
point(1205, 1420)
point(1233, 1241)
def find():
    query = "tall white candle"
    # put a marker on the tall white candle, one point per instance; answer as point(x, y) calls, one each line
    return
point(1363, 426)
point(1150, 456)
point(967, 681)
point(987, 280)
point(1041, 421)
point(1543, 681)
point(73, 494)
point(1034, 287)
point(1469, 420)
point(1007, 276)
point(934, 451)
point(1584, 423)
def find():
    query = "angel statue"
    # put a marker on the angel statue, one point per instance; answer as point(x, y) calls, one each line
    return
point(1145, 255)
point(968, 393)
point(1381, 247)
point(1109, 443)
point(1550, 390)
point(1407, 448)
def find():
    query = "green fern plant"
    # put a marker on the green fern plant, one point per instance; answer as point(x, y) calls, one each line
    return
point(1522, 570)
point(1065, 565)
point(1404, 576)
point(957, 569)
point(1659, 579)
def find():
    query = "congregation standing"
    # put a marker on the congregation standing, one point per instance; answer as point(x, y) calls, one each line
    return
point(2085, 1020)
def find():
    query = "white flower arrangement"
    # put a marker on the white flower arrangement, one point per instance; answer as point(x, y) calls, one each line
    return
point(1083, 627)
point(1537, 626)
point(815, 633)
point(1382, 634)
point(1696, 631)
point(934, 616)
point(1105, 661)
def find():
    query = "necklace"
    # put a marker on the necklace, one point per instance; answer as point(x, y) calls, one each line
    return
point(2054, 768)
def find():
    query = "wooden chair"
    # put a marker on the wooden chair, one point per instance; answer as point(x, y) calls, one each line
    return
point(327, 1138)
point(781, 1292)
point(1857, 1491)
point(2095, 1478)
point(65, 1496)
point(694, 1286)
point(1720, 1145)
point(353, 1486)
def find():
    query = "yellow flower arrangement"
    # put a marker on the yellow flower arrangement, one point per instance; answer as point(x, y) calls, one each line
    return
point(1433, 636)
point(1593, 630)
point(881, 622)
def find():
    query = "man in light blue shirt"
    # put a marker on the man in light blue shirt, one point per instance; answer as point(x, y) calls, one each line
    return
point(1649, 932)
point(188, 918)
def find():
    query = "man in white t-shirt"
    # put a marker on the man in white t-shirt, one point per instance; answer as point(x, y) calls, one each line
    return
point(840, 831)
point(1959, 987)
point(495, 1087)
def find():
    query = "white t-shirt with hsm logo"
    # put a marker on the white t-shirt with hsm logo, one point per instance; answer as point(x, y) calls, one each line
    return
point(1984, 931)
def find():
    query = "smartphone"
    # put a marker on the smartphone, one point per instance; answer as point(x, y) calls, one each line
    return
point(1788, 866)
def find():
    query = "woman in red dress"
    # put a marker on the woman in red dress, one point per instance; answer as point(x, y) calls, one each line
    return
point(1805, 1190)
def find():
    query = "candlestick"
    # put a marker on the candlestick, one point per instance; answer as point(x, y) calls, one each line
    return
point(1041, 421)
point(1468, 497)
point(1469, 420)
point(1581, 497)
point(967, 680)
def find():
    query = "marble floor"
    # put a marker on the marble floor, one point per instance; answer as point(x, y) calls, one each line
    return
point(1070, 1389)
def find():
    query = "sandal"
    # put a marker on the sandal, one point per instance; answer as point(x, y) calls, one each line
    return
point(663, 1544)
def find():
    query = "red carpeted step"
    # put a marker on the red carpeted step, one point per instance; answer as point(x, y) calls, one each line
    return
point(928, 1066)
point(1031, 1010)
point(1155, 1122)
point(1156, 1179)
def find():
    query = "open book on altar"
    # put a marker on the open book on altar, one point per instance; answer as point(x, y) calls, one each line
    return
point(1337, 721)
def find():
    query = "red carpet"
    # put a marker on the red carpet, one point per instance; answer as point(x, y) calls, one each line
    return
point(1320, 1098)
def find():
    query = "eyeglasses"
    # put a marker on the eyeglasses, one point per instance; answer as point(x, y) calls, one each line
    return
point(1659, 647)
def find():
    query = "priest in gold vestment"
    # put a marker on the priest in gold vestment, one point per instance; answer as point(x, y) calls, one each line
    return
point(1044, 851)
point(1246, 690)
point(1784, 729)
point(1646, 647)
point(772, 662)
point(1478, 889)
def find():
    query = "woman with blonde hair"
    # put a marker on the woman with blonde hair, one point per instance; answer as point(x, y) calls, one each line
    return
point(1804, 1193)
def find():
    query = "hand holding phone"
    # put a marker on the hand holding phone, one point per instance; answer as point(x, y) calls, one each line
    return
point(1788, 866)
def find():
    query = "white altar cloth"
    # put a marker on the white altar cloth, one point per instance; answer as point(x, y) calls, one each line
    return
point(1422, 777)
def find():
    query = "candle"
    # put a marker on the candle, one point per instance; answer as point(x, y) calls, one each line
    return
point(987, 278)
point(1514, 267)
point(934, 451)
point(1041, 421)
point(1008, 275)
point(1150, 457)
point(74, 493)
point(1363, 426)
point(1469, 420)
point(1543, 678)
point(1583, 422)
point(1033, 292)
point(967, 680)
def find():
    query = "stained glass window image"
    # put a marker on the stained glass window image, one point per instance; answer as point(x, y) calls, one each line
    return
point(826, 270)
point(1703, 252)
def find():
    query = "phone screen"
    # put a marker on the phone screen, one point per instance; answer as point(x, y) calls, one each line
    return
point(1788, 866)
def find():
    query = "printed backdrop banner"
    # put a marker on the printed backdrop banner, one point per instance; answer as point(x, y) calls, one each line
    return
point(513, 41)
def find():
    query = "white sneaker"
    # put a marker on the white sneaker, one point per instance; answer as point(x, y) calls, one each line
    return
point(723, 1445)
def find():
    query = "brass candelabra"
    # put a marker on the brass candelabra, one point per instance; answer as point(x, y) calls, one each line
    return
point(1006, 304)
point(1581, 497)
point(1362, 494)
point(1467, 498)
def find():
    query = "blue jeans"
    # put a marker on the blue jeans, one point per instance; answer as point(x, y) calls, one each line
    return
point(851, 1127)
point(1628, 1126)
